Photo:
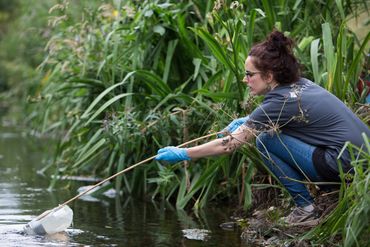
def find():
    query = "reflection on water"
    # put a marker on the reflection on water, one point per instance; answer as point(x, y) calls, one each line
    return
point(102, 221)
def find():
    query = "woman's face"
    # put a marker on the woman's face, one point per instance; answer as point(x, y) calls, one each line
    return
point(257, 83)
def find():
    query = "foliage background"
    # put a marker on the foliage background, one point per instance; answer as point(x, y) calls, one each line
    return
point(113, 81)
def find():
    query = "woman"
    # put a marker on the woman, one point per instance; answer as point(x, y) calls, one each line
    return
point(300, 128)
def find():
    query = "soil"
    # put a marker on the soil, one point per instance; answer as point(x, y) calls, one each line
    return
point(263, 228)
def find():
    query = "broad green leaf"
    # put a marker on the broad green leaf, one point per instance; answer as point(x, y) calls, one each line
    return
point(217, 50)
point(105, 92)
point(356, 62)
point(105, 105)
point(159, 29)
point(305, 42)
point(261, 12)
point(197, 62)
point(315, 60)
point(251, 24)
point(329, 54)
point(157, 85)
point(87, 81)
point(92, 140)
point(218, 96)
point(170, 51)
point(93, 150)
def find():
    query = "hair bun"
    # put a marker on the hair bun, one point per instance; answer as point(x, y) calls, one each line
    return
point(278, 41)
point(275, 55)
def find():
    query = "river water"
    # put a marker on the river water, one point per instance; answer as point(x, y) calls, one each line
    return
point(103, 221)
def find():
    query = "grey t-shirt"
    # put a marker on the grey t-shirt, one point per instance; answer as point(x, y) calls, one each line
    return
point(311, 114)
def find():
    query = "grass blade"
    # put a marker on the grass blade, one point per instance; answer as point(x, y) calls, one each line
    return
point(105, 92)
point(315, 60)
point(106, 104)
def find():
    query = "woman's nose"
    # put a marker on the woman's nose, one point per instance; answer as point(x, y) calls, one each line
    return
point(245, 79)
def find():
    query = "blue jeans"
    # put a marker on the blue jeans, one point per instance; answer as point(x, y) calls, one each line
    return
point(290, 160)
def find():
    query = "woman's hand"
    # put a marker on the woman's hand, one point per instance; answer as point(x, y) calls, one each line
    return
point(172, 154)
point(234, 125)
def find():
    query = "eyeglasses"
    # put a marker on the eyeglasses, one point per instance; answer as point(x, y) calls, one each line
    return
point(250, 74)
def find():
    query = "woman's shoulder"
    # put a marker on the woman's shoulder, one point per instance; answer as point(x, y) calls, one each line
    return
point(288, 91)
point(304, 83)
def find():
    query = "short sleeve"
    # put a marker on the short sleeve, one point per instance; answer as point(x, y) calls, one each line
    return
point(272, 115)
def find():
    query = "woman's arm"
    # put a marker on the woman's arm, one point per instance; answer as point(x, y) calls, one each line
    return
point(223, 145)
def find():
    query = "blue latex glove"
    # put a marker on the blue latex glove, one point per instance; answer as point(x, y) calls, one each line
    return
point(236, 123)
point(172, 154)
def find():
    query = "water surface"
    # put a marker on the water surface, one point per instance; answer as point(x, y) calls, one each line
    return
point(103, 221)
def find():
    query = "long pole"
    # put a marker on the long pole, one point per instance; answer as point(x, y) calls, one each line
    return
point(119, 173)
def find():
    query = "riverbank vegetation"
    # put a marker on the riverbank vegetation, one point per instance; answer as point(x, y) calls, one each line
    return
point(114, 81)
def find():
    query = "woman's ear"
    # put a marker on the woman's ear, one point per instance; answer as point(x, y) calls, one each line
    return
point(269, 77)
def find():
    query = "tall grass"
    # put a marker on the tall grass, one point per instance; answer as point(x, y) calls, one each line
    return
point(344, 62)
point(351, 218)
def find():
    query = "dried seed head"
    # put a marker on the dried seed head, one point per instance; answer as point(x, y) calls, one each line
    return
point(218, 5)
point(234, 5)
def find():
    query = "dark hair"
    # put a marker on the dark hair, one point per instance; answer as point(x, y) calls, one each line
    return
point(275, 55)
